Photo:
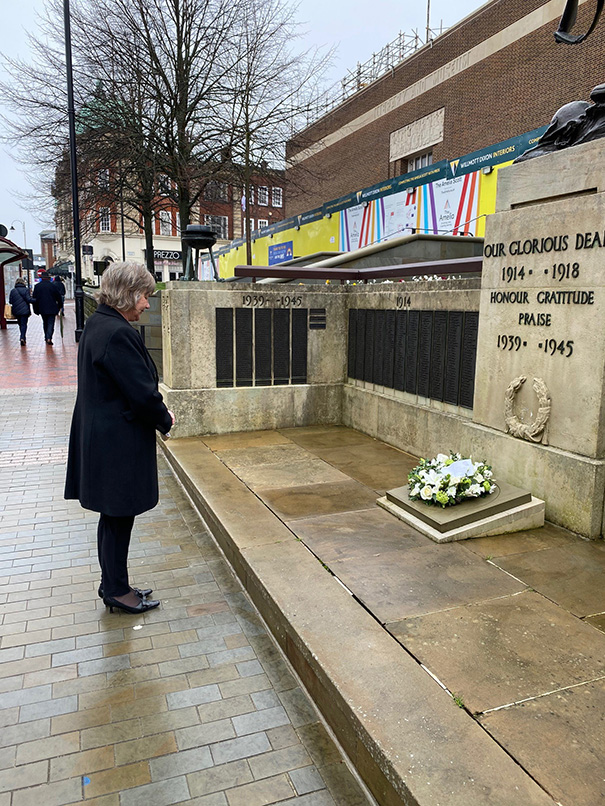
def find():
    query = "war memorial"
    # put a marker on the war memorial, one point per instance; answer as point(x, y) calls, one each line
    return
point(455, 652)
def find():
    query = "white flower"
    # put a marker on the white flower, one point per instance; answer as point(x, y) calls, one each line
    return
point(426, 493)
point(433, 478)
point(451, 491)
point(441, 458)
point(474, 491)
point(416, 490)
point(479, 478)
point(488, 474)
point(455, 481)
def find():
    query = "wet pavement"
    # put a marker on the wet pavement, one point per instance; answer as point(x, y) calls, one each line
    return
point(191, 703)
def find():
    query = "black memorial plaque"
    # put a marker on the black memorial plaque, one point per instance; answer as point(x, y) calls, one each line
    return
point(424, 352)
point(438, 355)
point(243, 346)
point(352, 345)
point(368, 370)
point(281, 346)
point(360, 352)
point(262, 347)
point(224, 347)
point(411, 352)
point(453, 352)
point(379, 325)
point(401, 330)
point(389, 349)
point(469, 358)
point(299, 345)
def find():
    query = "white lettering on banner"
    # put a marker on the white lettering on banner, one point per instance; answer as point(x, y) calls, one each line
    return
point(531, 22)
point(417, 136)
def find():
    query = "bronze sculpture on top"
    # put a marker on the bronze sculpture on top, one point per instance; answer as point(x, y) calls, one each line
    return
point(579, 121)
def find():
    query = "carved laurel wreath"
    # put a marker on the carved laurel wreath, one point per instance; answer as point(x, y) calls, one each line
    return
point(531, 431)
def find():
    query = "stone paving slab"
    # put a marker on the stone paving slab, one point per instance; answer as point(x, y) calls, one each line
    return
point(539, 734)
point(395, 587)
point(570, 575)
point(361, 534)
point(528, 647)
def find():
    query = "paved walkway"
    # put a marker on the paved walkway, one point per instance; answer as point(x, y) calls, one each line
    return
point(191, 703)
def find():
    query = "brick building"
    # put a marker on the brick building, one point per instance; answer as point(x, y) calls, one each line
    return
point(495, 75)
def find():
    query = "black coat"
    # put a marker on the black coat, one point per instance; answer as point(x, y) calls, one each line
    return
point(20, 299)
point(48, 297)
point(112, 465)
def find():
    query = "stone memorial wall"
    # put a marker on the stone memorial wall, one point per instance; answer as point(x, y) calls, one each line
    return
point(508, 368)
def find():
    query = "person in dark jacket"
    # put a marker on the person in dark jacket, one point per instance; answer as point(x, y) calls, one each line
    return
point(60, 285)
point(112, 465)
point(20, 300)
point(48, 302)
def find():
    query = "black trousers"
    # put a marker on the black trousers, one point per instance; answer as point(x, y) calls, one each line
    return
point(22, 326)
point(113, 540)
point(48, 320)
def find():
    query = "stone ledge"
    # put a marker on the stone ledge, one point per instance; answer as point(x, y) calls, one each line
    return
point(403, 733)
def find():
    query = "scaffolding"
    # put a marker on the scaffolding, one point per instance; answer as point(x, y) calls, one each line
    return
point(389, 57)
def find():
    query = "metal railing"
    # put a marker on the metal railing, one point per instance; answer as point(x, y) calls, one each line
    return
point(439, 268)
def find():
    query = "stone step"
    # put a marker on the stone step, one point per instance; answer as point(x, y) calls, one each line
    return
point(401, 730)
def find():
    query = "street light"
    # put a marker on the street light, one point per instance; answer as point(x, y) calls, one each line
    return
point(27, 268)
point(78, 293)
point(12, 229)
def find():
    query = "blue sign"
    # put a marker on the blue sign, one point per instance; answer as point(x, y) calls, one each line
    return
point(280, 252)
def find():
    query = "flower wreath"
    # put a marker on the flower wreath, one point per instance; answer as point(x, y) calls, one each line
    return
point(448, 480)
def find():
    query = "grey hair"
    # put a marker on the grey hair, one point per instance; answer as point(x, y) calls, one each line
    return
point(123, 284)
point(19, 281)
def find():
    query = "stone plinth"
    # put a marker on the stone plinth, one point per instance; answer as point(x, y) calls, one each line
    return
point(509, 509)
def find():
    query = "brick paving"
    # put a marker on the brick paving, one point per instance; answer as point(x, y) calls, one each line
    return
point(190, 703)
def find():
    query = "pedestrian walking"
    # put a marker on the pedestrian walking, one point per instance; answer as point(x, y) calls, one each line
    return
point(112, 464)
point(20, 299)
point(60, 285)
point(47, 302)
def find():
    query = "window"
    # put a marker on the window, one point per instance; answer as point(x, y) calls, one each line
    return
point(244, 225)
point(165, 222)
point(262, 194)
point(178, 223)
point(216, 191)
point(104, 219)
point(219, 225)
point(276, 197)
point(104, 179)
point(163, 185)
point(420, 161)
point(262, 222)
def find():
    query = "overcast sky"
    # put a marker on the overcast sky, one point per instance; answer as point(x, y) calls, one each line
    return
point(356, 28)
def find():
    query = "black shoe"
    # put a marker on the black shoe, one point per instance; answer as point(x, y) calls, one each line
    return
point(142, 594)
point(49, 341)
point(22, 342)
point(142, 607)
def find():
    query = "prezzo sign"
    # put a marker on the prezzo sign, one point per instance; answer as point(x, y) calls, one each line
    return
point(165, 254)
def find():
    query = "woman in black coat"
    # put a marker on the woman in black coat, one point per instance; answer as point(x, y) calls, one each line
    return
point(112, 466)
point(20, 300)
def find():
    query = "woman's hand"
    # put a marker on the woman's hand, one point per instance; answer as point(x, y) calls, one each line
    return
point(172, 416)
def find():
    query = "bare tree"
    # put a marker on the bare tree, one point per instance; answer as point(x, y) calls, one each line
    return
point(271, 86)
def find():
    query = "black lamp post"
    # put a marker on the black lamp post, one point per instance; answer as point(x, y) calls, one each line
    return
point(197, 236)
point(78, 293)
